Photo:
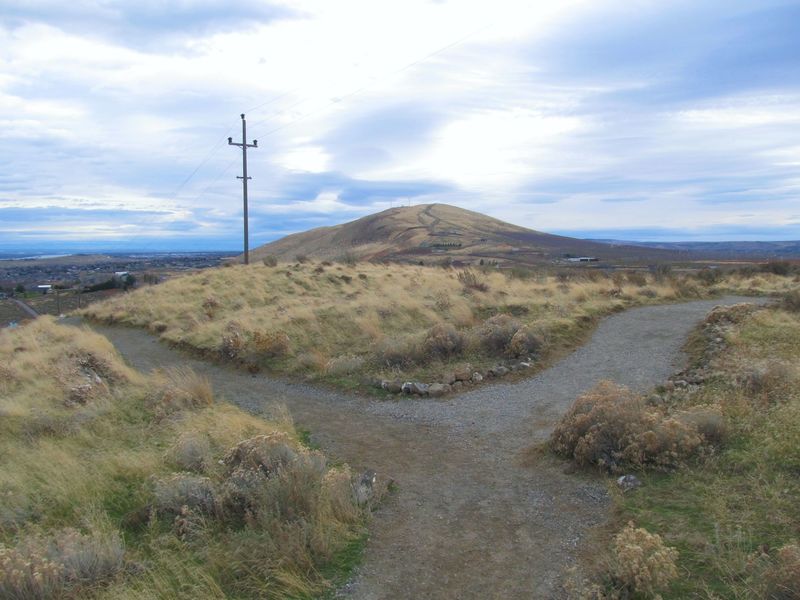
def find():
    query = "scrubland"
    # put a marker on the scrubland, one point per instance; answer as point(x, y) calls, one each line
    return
point(113, 485)
point(717, 450)
point(346, 323)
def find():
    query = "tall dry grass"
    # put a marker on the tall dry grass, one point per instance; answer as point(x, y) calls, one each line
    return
point(303, 317)
point(730, 513)
point(148, 461)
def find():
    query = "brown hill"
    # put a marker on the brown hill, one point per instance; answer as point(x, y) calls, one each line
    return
point(435, 232)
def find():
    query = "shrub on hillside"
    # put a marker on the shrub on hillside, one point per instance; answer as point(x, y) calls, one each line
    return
point(179, 490)
point(777, 267)
point(523, 343)
point(270, 260)
point(470, 280)
point(791, 301)
point(191, 452)
point(611, 427)
point(399, 352)
point(59, 565)
point(443, 341)
point(782, 577)
point(641, 563)
point(637, 278)
point(497, 332)
point(234, 340)
point(180, 388)
point(344, 365)
point(270, 344)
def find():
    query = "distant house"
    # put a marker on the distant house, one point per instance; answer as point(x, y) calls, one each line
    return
point(45, 288)
point(580, 259)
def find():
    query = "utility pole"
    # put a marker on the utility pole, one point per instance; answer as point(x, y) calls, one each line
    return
point(244, 146)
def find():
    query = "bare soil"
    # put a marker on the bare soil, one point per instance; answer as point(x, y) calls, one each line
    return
point(470, 517)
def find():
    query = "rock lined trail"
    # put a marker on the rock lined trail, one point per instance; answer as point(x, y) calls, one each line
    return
point(469, 520)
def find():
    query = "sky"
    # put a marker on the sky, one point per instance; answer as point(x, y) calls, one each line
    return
point(636, 120)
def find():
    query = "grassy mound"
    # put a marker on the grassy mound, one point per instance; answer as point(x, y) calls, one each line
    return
point(118, 486)
point(343, 323)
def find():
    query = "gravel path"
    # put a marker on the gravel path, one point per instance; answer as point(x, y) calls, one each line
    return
point(469, 519)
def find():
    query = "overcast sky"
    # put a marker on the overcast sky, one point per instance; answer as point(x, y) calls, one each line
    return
point(625, 119)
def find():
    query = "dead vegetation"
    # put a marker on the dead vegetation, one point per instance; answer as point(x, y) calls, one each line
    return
point(396, 321)
point(716, 451)
point(150, 488)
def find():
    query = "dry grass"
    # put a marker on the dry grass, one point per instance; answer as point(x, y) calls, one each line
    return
point(184, 480)
point(733, 515)
point(400, 320)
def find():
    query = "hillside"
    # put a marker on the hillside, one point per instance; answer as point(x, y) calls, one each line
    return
point(436, 232)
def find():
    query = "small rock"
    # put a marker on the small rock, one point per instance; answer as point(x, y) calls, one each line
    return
point(393, 387)
point(628, 482)
point(681, 383)
point(498, 371)
point(655, 400)
point(437, 390)
point(365, 488)
point(463, 374)
point(457, 385)
point(449, 378)
point(524, 365)
point(476, 377)
point(415, 387)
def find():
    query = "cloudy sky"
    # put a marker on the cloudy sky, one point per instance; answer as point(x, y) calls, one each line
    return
point(628, 119)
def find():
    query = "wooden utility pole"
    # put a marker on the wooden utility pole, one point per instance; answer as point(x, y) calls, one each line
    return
point(244, 146)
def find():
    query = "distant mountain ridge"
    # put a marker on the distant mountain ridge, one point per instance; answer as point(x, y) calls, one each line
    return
point(438, 232)
point(789, 249)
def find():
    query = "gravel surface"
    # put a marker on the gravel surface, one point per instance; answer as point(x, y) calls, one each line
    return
point(470, 519)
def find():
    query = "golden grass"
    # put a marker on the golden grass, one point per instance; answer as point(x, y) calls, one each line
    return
point(298, 318)
point(77, 477)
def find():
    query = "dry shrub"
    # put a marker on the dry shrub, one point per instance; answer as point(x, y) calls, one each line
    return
point(683, 288)
point(637, 278)
point(60, 565)
point(234, 340)
point(791, 301)
point(270, 260)
point(443, 341)
point(181, 388)
point(25, 576)
point(730, 315)
point(265, 453)
point(648, 293)
point(497, 332)
point(770, 383)
point(641, 563)
point(210, 306)
point(782, 577)
point(271, 344)
point(313, 360)
point(344, 365)
point(612, 427)
point(398, 352)
point(523, 343)
point(270, 474)
point(708, 421)
point(178, 490)
point(191, 452)
point(470, 280)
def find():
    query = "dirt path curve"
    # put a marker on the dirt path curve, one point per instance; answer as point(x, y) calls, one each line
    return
point(468, 521)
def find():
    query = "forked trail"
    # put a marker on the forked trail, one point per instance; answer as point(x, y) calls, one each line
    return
point(468, 519)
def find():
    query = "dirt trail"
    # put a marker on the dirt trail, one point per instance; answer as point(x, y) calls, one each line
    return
point(469, 520)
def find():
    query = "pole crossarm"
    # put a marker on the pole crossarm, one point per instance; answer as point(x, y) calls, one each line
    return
point(244, 146)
